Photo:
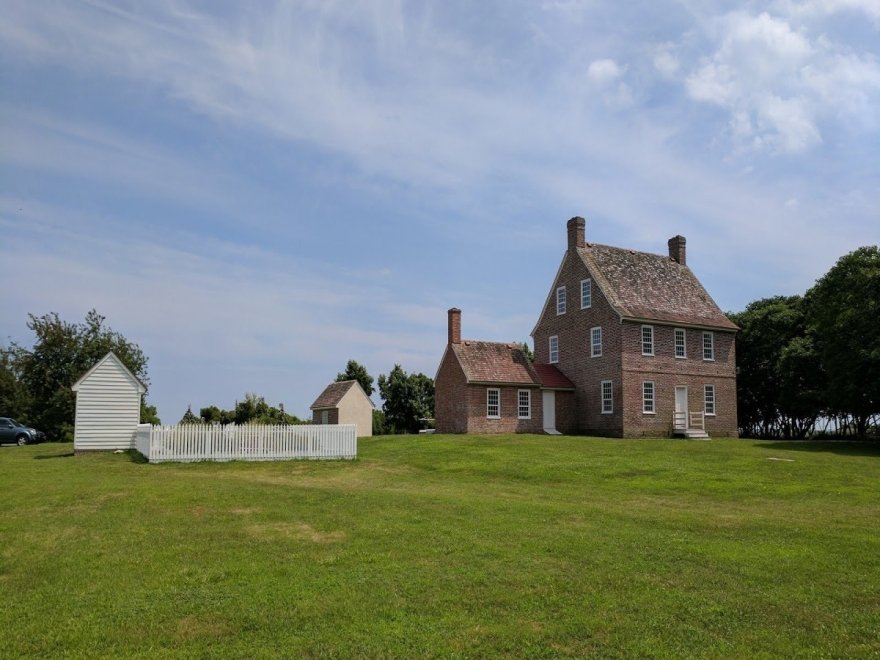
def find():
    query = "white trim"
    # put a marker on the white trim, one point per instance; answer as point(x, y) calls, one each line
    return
point(642, 340)
point(610, 399)
point(497, 391)
point(550, 347)
point(111, 356)
point(684, 343)
point(589, 282)
point(653, 398)
point(561, 300)
point(711, 346)
point(519, 404)
point(706, 389)
point(593, 353)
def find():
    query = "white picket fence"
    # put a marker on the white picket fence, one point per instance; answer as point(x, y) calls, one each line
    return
point(204, 442)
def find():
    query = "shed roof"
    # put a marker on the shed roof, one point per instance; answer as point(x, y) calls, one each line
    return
point(551, 378)
point(654, 287)
point(333, 393)
point(494, 362)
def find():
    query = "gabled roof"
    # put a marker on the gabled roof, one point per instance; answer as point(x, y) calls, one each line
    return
point(494, 362)
point(652, 287)
point(333, 393)
point(111, 356)
point(551, 378)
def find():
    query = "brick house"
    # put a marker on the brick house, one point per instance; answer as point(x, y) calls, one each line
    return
point(648, 350)
point(491, 387)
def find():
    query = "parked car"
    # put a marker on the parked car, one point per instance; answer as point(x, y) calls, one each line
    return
point(12, 431)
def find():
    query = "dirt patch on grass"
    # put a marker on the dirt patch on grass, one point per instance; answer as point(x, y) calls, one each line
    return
point(296, 531)
point(245, 511)
point(193, 627)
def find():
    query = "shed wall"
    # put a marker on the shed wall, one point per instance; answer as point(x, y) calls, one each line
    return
point(107, 409)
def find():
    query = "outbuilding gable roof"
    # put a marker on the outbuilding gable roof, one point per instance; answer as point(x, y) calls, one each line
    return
point(111, 356)
point(494, 362)
point(652, 287)
point(333, 394)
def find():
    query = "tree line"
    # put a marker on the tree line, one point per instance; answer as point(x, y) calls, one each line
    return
point(811, 363)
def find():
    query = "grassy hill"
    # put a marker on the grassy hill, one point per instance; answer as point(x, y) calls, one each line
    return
point(445, 546)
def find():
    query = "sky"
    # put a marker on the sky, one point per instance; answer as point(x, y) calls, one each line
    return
point(255, 193)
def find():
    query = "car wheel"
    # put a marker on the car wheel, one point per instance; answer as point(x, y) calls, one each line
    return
point(22, 440)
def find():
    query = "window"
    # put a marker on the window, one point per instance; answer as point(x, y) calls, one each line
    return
point(586, 293)
point(560, 300)
point(325, 417)
point(647, 340)
point(607, 398)
point(708, 346)
point(554, 349)
point(493, 403)
point(595, 342)
point(524, 409)
point(709, 399)
point(680, 344)
point(648, 397)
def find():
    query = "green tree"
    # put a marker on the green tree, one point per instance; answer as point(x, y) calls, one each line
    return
point(190, 418)
point(14, 398)
point(253, 409)
point(843, 310)
point(61, 354)
point(358, 372)
point(530, 356)
point(407, 400)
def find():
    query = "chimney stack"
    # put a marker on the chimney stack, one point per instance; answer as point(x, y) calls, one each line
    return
point(677, 249)
point(576, 233)
point(454, 325)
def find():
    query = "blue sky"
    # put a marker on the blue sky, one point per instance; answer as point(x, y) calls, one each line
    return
point(257, 192)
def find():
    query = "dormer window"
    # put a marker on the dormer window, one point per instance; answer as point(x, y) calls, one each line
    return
point(560, 301)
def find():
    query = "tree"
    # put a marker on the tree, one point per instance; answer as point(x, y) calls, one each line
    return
point(14, 398)
point(407, 400)
point(355, 371)
point(61, 354)
point(530, 356)
point(253, 409)
point(843, 310)
point(190, 418)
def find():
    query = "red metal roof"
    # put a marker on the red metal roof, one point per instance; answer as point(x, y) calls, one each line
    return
point(551, 378)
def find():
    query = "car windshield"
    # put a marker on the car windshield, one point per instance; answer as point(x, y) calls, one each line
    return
point(13, 422)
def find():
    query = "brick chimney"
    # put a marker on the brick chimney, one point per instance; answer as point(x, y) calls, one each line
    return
point(576, 233)
point(454, 325)
point(677, 249)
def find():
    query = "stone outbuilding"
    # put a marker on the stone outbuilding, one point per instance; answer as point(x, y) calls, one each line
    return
point(345, 402)
point(108, 406)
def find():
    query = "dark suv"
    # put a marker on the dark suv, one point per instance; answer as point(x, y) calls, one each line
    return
point(12, 431)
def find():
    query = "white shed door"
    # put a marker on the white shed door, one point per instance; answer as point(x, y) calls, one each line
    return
point(549, 401)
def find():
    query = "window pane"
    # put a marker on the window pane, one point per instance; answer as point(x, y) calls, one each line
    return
point(679, 343)
point(586, 293)
point(560, 300)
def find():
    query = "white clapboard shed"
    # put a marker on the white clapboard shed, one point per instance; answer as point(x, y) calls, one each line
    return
point(108, 406)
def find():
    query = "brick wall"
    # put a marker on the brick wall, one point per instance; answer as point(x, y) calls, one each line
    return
point(450, 396)
point(508, 423)
point(332, 416)
point(573, 329)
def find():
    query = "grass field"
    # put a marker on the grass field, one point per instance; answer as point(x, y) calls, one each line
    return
point(447, 546)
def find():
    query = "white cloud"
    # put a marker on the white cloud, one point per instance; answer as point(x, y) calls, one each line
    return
point(604, 71)
point(665, 60)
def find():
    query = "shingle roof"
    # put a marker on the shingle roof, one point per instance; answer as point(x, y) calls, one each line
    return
point(551, 378)
point(332, 395)
point(494, 362)
point(653, 287)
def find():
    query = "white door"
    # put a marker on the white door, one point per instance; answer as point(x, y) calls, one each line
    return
point(549, 401)
point(681, 407)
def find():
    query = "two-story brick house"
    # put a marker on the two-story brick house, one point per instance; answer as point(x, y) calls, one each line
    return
point(647, 349)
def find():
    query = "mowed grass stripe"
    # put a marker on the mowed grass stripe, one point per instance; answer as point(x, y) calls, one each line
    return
point(445, 546)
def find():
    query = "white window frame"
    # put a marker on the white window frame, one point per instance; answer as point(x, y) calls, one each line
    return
point(683, 343)
point(709, 347)
point(649, 397)
point(490, 405)
point(709, 400)
point(524, 406)
point(554, 349)
point(596, 347)
point(560, 301)
point(609, 408)
point(648, 340)
point(586, 293)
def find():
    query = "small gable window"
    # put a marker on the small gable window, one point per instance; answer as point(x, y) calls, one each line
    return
point(554, 349)
point(607, 398)
point(560, 300)
point(648, 397)
point(680, 343)
point(709, 399)
point(708, 345)
point(493, 403)
point(647, 340)
point(586, 293)
point(524, 407)
point(596, 342)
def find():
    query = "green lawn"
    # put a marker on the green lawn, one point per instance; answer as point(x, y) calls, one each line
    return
point(447, 546)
